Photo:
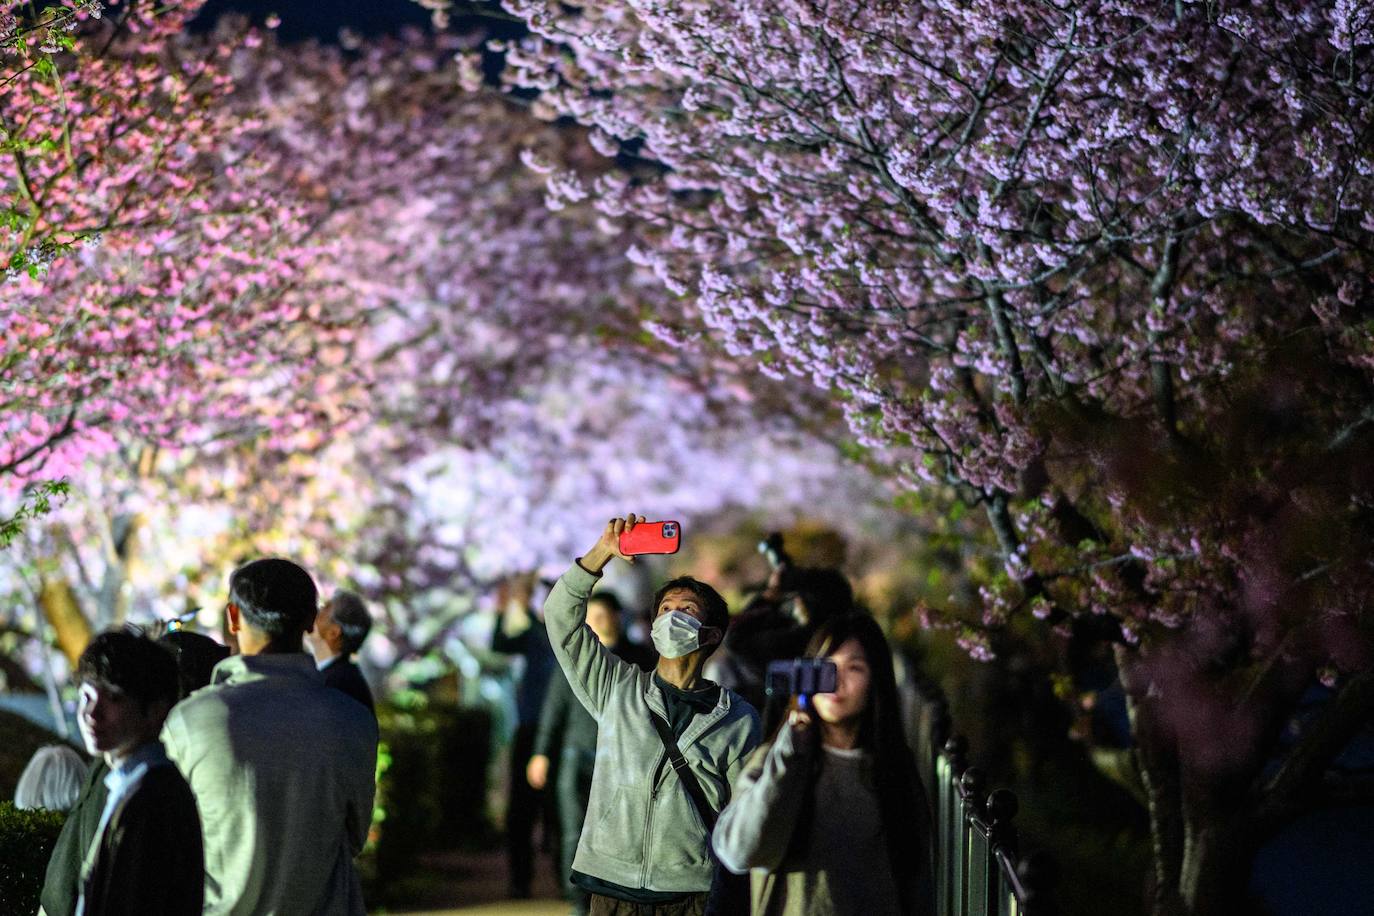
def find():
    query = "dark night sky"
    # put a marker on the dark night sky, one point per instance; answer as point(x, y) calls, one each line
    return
point(324, 18)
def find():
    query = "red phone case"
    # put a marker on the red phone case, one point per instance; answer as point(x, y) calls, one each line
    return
point(651, 537)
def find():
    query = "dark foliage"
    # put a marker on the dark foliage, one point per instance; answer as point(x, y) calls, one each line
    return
point(26, 841)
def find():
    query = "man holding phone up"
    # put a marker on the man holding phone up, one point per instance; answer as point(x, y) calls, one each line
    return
point(670, 743)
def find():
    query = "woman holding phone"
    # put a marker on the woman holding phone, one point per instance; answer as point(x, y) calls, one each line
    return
point(830, 814)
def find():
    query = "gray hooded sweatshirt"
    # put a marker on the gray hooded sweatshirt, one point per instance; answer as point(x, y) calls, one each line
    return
point(641, 829)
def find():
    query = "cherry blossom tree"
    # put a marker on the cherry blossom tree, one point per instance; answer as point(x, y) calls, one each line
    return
point(150, 251)
point(487, 398)
point(1103, 268)
point(29, 39)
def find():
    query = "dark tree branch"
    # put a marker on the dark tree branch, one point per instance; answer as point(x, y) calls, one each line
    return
point(998, 511)
point(68, 427)
point(1348, 432)
point(1300, 774)
point(1161, 373)
point(1159, 774)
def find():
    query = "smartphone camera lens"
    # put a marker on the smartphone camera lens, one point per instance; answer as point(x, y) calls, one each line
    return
point(669, 530)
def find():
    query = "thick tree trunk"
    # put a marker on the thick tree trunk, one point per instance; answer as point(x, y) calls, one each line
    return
point(1166, 832)
point(1159, 772)
point(120, 555)
point(1164, 794)
point(59, 717)
point(1201, 848)
point(63, 611)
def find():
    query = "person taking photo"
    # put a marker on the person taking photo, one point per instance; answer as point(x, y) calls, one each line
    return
point(829, 816)
point(669, 746)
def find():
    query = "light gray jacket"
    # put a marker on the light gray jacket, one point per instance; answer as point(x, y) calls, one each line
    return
point(283, 771)
point(641, 829)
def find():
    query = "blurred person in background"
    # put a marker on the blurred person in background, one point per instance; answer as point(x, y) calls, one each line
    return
point(52, 779)
point(520, 632)
point(830, 816)
point(341, 626)
point(196, 657)
point(780, 621)
point(567, 736)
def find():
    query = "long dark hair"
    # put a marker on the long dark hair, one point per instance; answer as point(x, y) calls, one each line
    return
point(901, 798)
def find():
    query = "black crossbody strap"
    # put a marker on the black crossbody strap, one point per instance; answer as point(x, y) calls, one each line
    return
point(684, 772)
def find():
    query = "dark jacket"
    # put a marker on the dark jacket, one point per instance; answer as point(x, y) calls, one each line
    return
point(342, 674)
point(533, 644)
point(62, 884)
point(150, 861)
point(564, 723)
point(759, 635)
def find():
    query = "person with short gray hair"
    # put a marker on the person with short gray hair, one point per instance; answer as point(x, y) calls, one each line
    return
point(340, 628)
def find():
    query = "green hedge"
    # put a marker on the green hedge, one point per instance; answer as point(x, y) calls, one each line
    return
point(431, 788)
point(26, 842)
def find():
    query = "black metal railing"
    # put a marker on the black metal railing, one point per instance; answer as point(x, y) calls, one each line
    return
point(978, 867)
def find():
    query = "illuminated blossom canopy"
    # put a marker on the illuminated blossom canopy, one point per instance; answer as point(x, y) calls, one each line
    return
point(1102, 269)
point(166, 320)
point(474, 394)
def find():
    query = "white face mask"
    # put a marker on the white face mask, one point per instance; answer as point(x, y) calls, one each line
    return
point(676, 634)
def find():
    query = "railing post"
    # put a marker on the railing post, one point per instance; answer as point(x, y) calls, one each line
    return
point(978, 871)
point(1002, 806)
point(932, 730)
point(949, 766)
point(1001, 809)
point(976, 861)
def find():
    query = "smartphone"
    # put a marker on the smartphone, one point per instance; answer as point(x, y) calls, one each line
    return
point(801, 677)
point(651, 537)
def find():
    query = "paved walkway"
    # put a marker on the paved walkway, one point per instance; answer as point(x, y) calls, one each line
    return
point(505, 908)
point(474, 884)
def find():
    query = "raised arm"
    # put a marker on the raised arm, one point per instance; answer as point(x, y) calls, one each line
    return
point(592, 670)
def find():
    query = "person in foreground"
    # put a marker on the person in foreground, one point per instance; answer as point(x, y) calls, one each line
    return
point(567, 735)
point(646, 848)
point(830, 814)
point(146, 857)
point(195, 656)
point(282, 766)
